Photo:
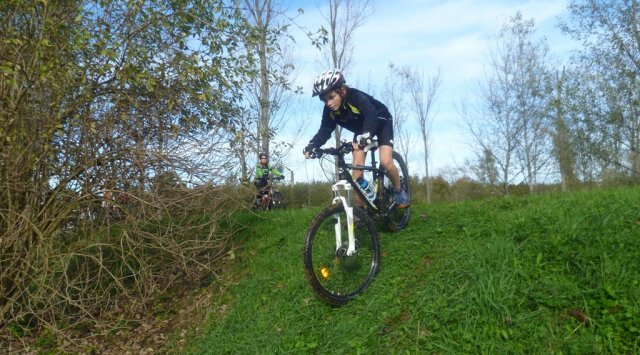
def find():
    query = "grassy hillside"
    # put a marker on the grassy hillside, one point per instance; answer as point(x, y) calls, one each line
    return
point(546, 274)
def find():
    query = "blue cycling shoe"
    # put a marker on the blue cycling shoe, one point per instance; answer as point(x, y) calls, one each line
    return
point(401, 198)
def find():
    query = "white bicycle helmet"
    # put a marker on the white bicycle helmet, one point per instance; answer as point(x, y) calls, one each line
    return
point(327, 81)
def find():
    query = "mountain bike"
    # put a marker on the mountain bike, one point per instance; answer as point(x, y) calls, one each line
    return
point(268, 197)
point(341, 252)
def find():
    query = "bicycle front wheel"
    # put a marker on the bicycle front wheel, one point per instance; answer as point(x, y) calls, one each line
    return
point(335, 276)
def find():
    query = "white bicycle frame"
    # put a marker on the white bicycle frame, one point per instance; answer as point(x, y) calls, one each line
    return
point(342, 193)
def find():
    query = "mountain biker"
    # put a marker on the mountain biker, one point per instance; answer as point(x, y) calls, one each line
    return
point(265, 173)
point(361, 114)
point(264, 170)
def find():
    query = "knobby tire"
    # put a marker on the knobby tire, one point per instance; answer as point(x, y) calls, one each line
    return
point(337, 278)
point(398, 218)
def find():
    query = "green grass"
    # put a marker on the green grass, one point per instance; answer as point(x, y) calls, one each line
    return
point(515, 275)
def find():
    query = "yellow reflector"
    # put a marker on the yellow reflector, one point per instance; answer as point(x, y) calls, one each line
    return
point(325, 272)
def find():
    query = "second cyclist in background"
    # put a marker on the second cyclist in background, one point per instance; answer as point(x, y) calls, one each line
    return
point(361, 114)
point(263, 171)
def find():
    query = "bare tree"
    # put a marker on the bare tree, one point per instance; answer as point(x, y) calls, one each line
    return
point(530, 78)
point(423, 92)
point(512, 122)
point(268, 94)
point(261, 13)
point(393, 95)
point(344, 18)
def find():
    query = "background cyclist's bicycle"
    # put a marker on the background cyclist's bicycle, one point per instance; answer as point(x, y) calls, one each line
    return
point(268, 197)
point(341, 253)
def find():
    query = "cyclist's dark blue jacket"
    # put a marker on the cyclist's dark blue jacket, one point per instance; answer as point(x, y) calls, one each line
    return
point(359, 113)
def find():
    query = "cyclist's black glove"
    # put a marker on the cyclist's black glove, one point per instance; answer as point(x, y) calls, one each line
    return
point(363, 139)
point(309, 149)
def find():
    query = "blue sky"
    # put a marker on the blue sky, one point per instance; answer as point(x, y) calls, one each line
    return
point(453, 36)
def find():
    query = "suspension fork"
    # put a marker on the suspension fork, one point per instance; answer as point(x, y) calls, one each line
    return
point(342, 194)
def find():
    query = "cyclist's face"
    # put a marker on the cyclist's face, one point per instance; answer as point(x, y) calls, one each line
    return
point(333, 100)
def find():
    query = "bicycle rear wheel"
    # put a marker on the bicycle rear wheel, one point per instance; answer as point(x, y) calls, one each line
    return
point(335, 277)
point(397, 218)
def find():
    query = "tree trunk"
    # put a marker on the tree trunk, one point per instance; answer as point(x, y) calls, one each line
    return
point(426, 166)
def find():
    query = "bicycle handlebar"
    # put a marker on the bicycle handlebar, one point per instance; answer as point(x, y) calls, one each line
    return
point(344, 148)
